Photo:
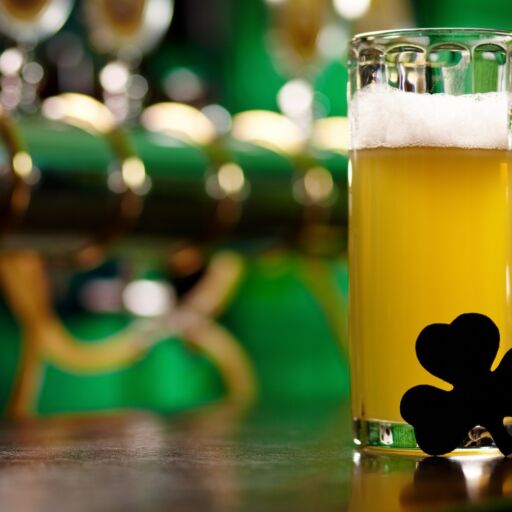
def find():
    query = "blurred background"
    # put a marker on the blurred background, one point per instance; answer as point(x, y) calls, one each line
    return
point(175, 198)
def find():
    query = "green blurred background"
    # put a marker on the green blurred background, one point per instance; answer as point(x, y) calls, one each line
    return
point(289, 307)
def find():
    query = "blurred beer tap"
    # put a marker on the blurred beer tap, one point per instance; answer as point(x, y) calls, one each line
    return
point(126, 30)
point(26, 23)
point(304, 36)
point(315, 189)
point(225, 184)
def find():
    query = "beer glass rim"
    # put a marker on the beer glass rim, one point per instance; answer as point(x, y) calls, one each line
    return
point(431, 31)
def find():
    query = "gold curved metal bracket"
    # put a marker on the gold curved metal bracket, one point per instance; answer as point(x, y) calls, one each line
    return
point(225, 352)
point(26, 288)
point(206, 300)
point(317, 276)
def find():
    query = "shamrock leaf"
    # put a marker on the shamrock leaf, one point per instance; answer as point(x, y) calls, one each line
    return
point(462, 354)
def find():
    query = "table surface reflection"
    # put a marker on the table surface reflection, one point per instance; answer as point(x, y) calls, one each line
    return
point(279, 458)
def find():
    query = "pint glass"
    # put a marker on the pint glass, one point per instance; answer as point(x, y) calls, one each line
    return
point(430, 208)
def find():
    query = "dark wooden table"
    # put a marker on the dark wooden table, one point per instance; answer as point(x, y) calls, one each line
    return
point(279, 458)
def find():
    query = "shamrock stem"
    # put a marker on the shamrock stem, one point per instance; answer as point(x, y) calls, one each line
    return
point(502, 438)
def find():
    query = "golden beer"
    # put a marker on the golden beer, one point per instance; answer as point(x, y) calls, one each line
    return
point(430, 236)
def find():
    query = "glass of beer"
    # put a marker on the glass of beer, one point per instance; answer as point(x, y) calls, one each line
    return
point(430, 209)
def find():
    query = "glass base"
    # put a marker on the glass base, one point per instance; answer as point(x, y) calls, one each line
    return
point(393, 437)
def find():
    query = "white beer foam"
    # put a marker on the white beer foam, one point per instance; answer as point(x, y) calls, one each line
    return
point(382, 116)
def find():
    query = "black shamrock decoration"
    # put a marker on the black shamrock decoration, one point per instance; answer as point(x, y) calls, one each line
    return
point(462, 354)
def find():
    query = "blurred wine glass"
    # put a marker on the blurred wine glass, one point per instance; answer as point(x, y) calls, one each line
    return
point(30, 21)
point(126, 30)
point(27, 23)
point(295, 31)
point(304, 36)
